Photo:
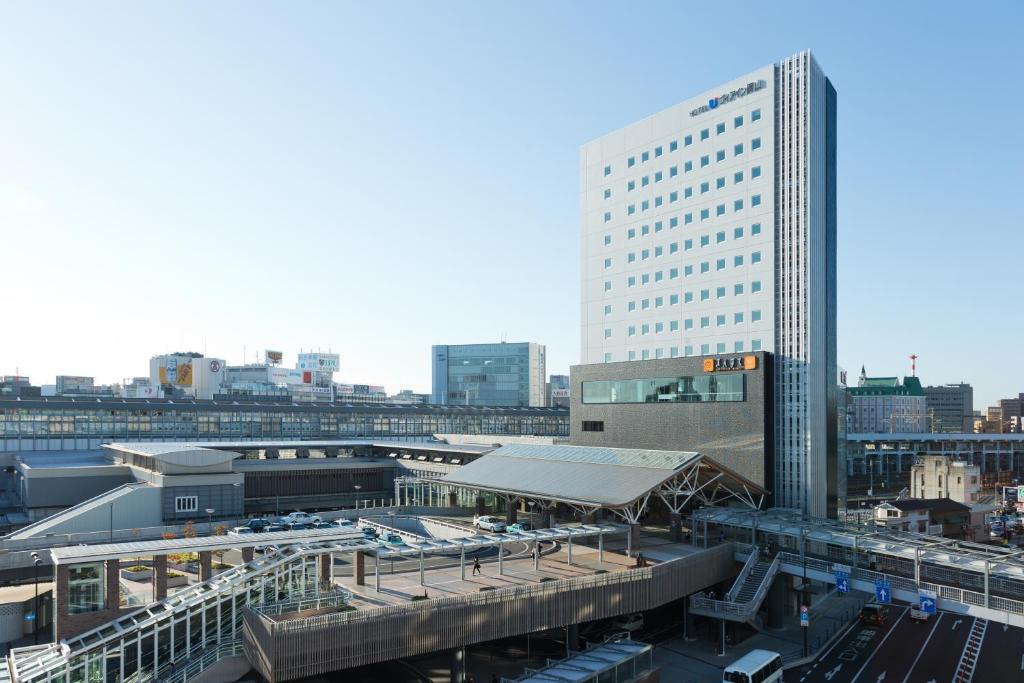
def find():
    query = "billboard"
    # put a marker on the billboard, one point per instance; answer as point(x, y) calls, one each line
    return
point(559, 393)
point(274, 357)
point(318, 362)
point(173, 372)
point(344, 389)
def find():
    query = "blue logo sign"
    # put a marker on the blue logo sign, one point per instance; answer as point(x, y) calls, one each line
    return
point(31, 616)
point(927, 599)
point(883, 594)
point(842, 582)
point(713, 103)
point(805, 615)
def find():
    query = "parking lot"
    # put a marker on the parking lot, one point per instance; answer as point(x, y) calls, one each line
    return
point(906, 651)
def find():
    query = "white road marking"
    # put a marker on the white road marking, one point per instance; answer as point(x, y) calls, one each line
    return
point(895, 623)
point(833, 672)
point(923, 647)
point(881, 677)
point(1022, 662)
point(957, 623)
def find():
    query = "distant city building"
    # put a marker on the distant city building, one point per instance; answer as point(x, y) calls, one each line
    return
point(77, 385)
point(141, 387)
point(505, 374)
point(187, 374)
point(409, 397)
point(1011, 412)
point(317, 376)
point(558, 391)
point(883, 404)
point(18, 386)
point(360, 393)
point(936, 476)
point(935, 516)
point(951, 407)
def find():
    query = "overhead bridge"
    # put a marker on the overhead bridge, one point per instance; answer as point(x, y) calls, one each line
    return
point(969, 578)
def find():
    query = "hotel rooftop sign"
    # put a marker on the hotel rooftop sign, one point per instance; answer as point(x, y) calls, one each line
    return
point(724, 98)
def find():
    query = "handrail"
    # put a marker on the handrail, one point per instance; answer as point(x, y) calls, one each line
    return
point(742, 611)
point(744, 573)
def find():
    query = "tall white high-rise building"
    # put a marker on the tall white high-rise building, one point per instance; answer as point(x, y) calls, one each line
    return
point(710, 228)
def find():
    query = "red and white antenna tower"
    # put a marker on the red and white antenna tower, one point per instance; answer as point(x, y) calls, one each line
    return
point(913, 364)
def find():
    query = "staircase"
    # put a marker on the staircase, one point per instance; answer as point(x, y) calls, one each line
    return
point(746, 595)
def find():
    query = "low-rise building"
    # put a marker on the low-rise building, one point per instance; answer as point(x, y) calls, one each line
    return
point(951, 407)
point(937, 476)
point(935, 516)
point(884, 404)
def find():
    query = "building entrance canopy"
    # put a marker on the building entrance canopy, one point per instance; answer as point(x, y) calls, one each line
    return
point(618, 479)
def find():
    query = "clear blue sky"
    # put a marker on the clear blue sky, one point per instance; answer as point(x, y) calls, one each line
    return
point(379, 177)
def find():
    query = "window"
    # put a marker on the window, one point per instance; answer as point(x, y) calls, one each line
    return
point(659, 302)
point(755, 344)
point(645, 354)
point(673, 326)
point(755, 286)
point(737, 177)
point(657, 250)
point(705, 294)
point(687, 193)
point(705, 240)
point(737, 289)
point(630, 257)
point(720, 264)
point(645, 278)
point(673, 352)
point(755, 257)
point(705, 266)
point(755, 143)
point(755, 115)
point(607, 193)
point(608, 309)
point(687, 219)
point(631, 331)
point(737, 233)
point(705, 160)
point(719, 128)
point(720, 347)
point(645, 229)
point(688, 140)
point(659, 327)
point(673, 247)
point(737, 347)
point(737, 260)
point(687, 245)
point(186, 504)
point(704, 187)
point(593, 425)
point(630, 186)
point(607, 216)
point(645, 181)
point(755, 200)
point(631, 282)
point(657, 201)
point(607, 240)
point(607, 170)
point(688, 270)
point(645, 156)
point(687, 167)
point(631, 306)
point(719, 183)
point(737, 205)
point(737, 149)
point(673, 273)
point(607, 333)
point(645, 254)
point(755, 172)
point(720, 292)
point(645, 329)
point(705, 214)
point(657, 177)
point(755, 316)
point(607, 285)
point(631, 233)
point(720, 320)
point(631, 209)
point(719, 236)
point(737, 318)
point(755, 229)
point(673, 172)
point(673, 300)
point(607, 357)
point(737, 121)
point(630, 162)
point(657, 152)
point(705, 321)
point(705, 349)
point(688, 324)
point(720, 210)
point(658, 275)
point(632, 355)
point(645, 204)
point(705, 134)
point(85, 588)
point(673, 222)
point(658, 353)
point(688, 297)
point(720, 155)
point(673, 146)
point(607, 263)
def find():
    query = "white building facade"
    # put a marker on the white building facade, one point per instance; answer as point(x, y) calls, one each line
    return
point(709, 228)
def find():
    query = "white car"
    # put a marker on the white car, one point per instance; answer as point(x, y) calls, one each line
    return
point(240, 531)
point(299, 517)
point(488, 523)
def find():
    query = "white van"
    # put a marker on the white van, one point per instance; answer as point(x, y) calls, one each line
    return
point(757, 666)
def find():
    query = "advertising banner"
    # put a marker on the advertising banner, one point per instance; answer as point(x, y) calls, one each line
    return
point(274, 357)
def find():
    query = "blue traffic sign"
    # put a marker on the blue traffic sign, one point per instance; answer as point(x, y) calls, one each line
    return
point(883, 594)
point(805, 615)
point(31, 616)
point(927, 599)
point(842, 583)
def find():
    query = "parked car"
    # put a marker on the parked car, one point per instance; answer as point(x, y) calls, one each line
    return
point(390, 539)
point(370, 532)
point(916, 614)
point(268, 548)
point(299, 517)
point(240, 531)
point(488, 523)
point(258, 524)
point(323, 525)
point(520, 527)
point(275, 527)
point(874, 614)
point(344, 523)
point(628, 622)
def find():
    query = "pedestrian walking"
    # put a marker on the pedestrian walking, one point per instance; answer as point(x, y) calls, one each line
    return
point(476, 566)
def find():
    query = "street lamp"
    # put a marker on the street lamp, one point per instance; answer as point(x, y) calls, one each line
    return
point(35, 605)
point(391, 520)
point(357, 487)
point(209, 520)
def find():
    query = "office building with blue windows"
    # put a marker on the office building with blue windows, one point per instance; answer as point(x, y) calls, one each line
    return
point(710, 228)
point(499, 375)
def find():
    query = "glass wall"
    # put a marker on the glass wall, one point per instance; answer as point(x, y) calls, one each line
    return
point(700, 389)
point(85, 588)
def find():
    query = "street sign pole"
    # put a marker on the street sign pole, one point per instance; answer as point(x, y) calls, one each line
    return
point(805, 622)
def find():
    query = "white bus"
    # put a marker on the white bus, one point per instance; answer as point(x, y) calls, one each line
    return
point(757, 666)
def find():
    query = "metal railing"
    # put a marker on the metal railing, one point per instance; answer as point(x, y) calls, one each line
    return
point(737, 611)
point(336, 597)
point(744, 573)
point(191, 668)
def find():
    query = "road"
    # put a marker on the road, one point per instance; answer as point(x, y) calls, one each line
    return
point(906, 651)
